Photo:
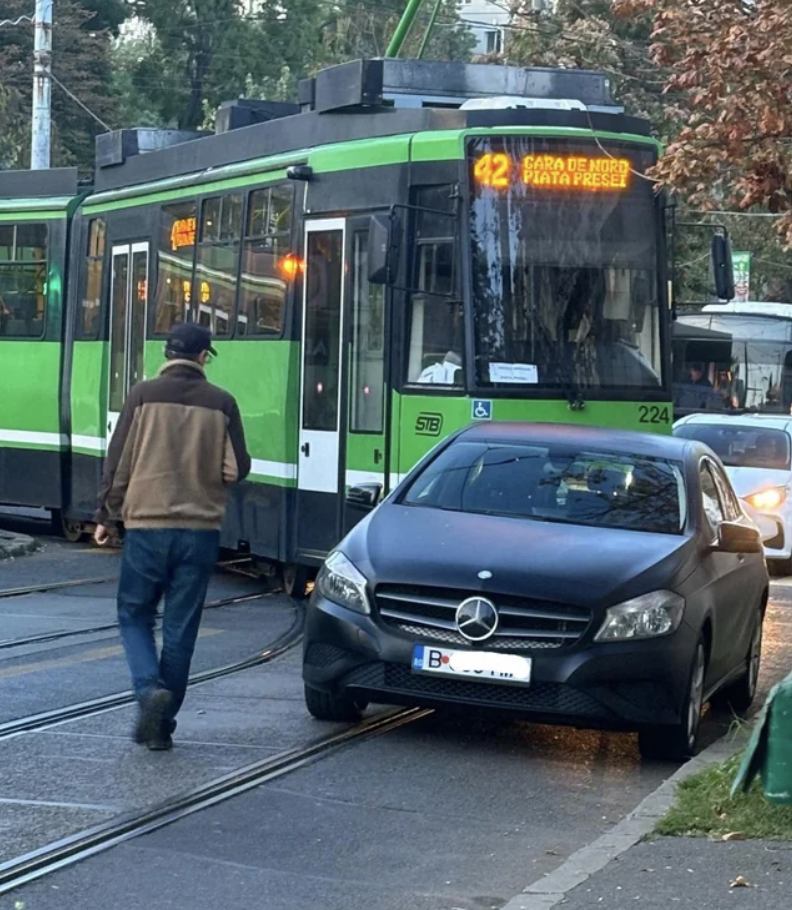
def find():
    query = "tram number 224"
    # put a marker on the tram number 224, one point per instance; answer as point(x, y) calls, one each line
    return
point(653, 414)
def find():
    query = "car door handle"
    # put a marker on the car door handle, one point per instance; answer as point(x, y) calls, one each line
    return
point(305, 448)
point(377, 456)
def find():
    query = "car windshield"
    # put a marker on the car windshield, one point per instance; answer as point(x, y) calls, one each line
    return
point(564, 258)
point(741, 447)
point(554, 483)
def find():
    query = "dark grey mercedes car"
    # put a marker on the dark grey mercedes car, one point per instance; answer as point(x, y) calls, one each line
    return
point(567, 575)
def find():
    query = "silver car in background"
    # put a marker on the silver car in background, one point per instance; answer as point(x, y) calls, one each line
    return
point(756, 450)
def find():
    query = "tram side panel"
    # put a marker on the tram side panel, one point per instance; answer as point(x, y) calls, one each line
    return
point(143, 267)
point(32, 439)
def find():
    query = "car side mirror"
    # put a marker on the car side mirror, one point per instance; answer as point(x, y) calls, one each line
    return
point(364, 496)
point(734, 537)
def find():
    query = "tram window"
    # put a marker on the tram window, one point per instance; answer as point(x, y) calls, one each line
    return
point(436, 324)
point(23, 280)
point(175, 255)
point(88, 327)
point(368, 343)
point(217, 261)
point(322, 327)
point(267, 263)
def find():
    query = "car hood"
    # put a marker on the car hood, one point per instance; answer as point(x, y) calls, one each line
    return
point(751, 480)
point(572, 564)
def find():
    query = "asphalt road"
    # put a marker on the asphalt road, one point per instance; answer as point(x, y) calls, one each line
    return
point(443, 814)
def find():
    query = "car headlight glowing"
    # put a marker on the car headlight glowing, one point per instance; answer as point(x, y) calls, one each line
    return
point(343, 583)
point(647, 616)
point(766, 500)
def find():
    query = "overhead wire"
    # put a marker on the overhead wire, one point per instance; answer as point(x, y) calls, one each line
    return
point(18, 21)
point(74, 98)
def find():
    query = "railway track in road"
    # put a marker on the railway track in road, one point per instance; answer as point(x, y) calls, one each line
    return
point(45, 637)
point(46, 587)
point(109, 702)
point(80, 846)
point(234, 566)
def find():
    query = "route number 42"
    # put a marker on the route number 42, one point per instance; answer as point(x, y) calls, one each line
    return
point(652, 414)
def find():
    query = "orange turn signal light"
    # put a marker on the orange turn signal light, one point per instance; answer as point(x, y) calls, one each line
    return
point(291, 266)
point(767, 500)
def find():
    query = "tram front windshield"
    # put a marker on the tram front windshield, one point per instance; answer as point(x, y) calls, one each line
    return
point(752, 371)
point(564, 265)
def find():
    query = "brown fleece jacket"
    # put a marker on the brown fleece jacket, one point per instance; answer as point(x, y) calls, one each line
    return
point(179, 442)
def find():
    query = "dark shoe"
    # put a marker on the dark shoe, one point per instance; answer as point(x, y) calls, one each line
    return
point(160, 744)
point(151, 718)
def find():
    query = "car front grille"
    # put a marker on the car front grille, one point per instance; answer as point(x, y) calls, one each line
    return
point(540, 698)
point(428, 613)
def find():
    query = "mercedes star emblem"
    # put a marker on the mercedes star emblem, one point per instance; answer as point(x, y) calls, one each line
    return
point(477, 618)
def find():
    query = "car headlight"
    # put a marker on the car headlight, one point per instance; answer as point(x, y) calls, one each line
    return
point(647, 616)
point(343, 583)
point(765, 500)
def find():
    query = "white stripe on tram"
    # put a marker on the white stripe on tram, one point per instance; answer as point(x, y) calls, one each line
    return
point(92, 443)
point(26, 437)
point(277, 469)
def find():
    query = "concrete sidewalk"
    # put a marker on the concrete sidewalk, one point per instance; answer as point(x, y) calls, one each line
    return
point(14, 544)
point(690, 873)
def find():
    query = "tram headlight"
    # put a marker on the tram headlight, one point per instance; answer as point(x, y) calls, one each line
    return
point(343, 583)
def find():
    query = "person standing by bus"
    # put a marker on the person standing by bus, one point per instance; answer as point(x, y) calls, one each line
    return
point(178, 444)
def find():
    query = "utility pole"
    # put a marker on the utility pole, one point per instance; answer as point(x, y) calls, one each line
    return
point(42, 87)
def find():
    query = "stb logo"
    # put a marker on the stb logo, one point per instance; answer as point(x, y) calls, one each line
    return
point(428, 424)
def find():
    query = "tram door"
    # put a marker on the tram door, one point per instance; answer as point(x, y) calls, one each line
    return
point(320, 439)
point(365, 450)
point(128, 308)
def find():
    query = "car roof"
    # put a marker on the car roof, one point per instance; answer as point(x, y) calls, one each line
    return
point(617, 441)
point(770, 421)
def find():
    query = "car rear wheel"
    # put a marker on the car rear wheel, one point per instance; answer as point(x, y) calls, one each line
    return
point(678, 741)
point(340, 708)
point(740, 695)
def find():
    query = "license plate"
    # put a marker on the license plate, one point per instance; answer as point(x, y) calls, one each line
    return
point(485, 666)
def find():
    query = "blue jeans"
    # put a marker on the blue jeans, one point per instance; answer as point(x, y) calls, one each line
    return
point(176, 563)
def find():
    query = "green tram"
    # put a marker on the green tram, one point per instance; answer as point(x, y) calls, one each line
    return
point(411, 247)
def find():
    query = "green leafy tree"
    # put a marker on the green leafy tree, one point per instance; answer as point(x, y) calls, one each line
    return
point(14, 129)
point(203, 52)
point(200, 53)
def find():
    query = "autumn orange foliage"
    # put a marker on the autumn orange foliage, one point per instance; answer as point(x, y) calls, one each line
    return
point(734, 62)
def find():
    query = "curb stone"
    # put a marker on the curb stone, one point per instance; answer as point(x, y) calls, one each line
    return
point(12, 544)
point(551, 890)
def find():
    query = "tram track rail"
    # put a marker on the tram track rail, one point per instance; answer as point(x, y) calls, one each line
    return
point(233, 566)
point(92, 707)
point(45, 637)
point(77, 847)
point(47, 586)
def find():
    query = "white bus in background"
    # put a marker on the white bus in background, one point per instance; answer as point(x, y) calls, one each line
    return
point(733, 357)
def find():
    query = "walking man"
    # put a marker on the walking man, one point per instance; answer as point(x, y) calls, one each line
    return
point(178, 444)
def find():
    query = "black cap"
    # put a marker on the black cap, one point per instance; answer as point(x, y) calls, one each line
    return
point(190, 339)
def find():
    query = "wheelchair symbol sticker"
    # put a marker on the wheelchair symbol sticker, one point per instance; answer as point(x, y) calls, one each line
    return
point(481, 410)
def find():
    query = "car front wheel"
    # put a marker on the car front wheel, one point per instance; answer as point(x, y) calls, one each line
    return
point(678, 741)
point(340, 708)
